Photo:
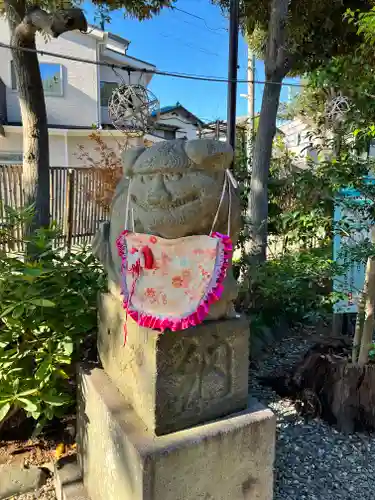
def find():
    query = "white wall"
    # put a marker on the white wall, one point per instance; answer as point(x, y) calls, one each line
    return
point(78, 105)
point(64, 145)
point(12, 142)
point(57, 147)
point(89, 146)
point(297, 141)
point(186, 129)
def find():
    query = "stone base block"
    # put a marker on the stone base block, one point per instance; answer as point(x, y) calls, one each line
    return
point(178, 379)
point(15, 481)
point(68, 480)
point(228, 459)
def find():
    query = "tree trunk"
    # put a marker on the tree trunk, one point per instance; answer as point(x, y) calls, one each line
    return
point(277, 65)
point(327, 385)
point(358, 332)
point(24, 23)
point(369, 320)
point(258, 195)
point(36, 183)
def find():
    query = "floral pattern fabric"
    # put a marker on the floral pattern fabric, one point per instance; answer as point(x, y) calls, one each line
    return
point(184, 279)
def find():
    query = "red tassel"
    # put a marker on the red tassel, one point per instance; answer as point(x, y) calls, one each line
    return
point(148, 256)
point(136, 271)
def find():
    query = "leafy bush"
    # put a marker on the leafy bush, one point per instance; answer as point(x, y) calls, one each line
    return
point(47, 309)
point(293, 287)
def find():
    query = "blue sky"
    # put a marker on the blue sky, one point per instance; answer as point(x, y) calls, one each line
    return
point(175, 41)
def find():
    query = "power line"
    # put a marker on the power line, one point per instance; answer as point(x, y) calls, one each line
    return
point(195, 47)
point(213, 31)
point(200, 18)
point(131, 69)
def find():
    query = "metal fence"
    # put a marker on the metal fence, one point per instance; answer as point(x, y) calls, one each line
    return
point(72, 201)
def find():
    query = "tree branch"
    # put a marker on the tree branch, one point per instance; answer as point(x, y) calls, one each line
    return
point(277, 54)
point(54, 24)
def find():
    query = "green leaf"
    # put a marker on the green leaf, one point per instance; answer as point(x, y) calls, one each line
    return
point(27, 404)
point(18, 311)
point(49, 412)
point(43, 370)
point(39, 427)
point(63, 374)
point(54, 400)
point(35, 414)
point(15, 384)
point(8, 310)
point(68, 347)
point(66, 360)
point(32, 271)
point(30, 392)
point(42, 302)
point(4, 401)
point(4, 410)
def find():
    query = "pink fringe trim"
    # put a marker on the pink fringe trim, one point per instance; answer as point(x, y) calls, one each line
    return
point(194, 319)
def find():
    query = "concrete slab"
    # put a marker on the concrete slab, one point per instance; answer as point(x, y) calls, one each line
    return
point(68, 480)
point(15, 480)
point(178, 379)
point(227, 459)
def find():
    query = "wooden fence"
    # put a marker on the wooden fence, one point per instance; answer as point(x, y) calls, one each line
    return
point(72, 202)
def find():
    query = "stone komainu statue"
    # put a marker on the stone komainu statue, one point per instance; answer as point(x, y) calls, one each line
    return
point(176, 187)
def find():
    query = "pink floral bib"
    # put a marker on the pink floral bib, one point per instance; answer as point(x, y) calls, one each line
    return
point(170, 284)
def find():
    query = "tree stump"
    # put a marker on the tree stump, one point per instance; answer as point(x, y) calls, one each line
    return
point(327, 384)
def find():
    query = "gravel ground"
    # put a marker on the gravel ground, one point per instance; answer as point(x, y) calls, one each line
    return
point(46, 492)
point(38, 453)
point(313, 460)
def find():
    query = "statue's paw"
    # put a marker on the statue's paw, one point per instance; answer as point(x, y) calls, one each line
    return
point(100, 242)
point(222, 310)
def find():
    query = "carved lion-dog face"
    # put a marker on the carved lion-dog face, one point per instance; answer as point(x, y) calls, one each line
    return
point(176, 186)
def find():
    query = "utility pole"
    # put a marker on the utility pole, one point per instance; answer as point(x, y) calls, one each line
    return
point(232, 72)
point(250, 96)
point(217, 130)
point(250, 104)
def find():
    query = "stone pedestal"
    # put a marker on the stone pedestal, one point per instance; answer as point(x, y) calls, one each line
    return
point(168, 418)
point(227, 459)
point(178, 379)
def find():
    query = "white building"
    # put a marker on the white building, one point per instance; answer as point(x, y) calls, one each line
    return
point(297, 139)
point(76, 95)
point(176, 122)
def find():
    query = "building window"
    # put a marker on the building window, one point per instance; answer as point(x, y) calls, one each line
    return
point(52, 78)
point(169, 134)
point(106, 90)
point(10, 158)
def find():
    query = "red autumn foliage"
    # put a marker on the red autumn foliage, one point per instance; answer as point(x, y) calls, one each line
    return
point(107, 164)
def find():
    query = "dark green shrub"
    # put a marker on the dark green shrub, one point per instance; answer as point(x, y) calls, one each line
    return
point(293, 287)
point(47, 310)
